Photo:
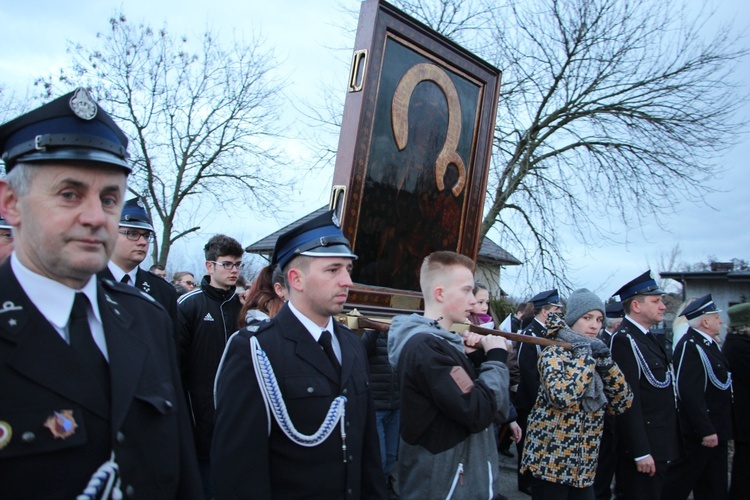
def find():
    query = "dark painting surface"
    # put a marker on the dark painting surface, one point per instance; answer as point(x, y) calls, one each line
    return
point(405, 214)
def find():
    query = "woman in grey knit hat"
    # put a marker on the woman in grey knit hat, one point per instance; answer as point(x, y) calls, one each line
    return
point(577, 387)
point(584, 313)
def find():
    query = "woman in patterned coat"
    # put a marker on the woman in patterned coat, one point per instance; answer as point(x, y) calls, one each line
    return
point(577, 387)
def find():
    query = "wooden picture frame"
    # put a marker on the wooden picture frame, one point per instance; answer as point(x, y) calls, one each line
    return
point(413, 156)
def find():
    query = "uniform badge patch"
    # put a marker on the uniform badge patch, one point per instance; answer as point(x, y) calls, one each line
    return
point(146, 287)
point(5, 434)
point(62, 424)
point(462, 379)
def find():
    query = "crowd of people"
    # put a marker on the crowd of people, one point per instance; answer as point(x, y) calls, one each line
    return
point(117, 383)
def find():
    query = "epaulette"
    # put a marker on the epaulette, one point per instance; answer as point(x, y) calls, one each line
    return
point(123, 288)
point(257, 326)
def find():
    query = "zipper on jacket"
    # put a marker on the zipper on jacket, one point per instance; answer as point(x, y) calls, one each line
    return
point(458, 478)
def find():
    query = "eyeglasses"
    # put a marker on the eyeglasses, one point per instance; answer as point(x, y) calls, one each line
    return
point(188, 283)
point(228, 265)
point(137, 235)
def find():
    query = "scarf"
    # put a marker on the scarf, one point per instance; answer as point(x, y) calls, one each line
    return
point(593, 397)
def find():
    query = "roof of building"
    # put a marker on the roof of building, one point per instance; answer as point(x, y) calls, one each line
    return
point(489, 251)
point(708, 275)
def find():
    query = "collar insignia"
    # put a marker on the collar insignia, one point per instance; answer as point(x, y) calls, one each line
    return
point(9, 306)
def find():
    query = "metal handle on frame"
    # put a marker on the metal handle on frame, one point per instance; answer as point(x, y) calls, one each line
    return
point(357, 71)
point(338, 200)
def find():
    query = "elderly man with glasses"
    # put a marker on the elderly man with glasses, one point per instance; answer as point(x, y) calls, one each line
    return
point(207, 317)
point(135, 234)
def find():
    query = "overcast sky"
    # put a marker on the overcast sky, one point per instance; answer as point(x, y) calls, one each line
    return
point(312, 48)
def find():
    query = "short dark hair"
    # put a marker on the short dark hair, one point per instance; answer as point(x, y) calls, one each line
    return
point(545, 307)
point(278, 276)
point(628, 303)
point(156, 267)
point(222, 245)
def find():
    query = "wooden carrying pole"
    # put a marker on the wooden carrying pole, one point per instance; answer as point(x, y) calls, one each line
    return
point(383, 327)
point(520, 338)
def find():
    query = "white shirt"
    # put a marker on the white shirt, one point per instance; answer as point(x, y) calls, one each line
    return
point(55, 301)
point(315, 330)
point(118, 273)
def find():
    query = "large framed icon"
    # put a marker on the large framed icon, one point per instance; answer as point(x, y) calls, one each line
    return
point(414, 153)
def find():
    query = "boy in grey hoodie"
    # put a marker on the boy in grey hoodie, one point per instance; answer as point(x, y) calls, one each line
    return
point(448, 399)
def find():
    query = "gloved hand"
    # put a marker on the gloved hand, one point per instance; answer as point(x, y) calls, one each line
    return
point(599, 349)
point(603, 365)
point(581, 349)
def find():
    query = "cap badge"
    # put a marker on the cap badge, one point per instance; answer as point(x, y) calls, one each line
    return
point(62, 424)
point(335, 220)
point(5, 434)
point(139, 202)
point(83, 105)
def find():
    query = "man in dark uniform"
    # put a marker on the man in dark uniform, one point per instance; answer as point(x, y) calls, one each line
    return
point(86, 383)
point(294, 411)
point(704, 389)
point(133, 239)
point(648, 432)
point(613, 318)
point(607, 461)
point(544, 303)
point(737, 352)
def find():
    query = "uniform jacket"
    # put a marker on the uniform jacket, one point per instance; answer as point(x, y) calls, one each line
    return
point(528, 354)
point(650, 426)
point(562, 439)
point(704, 408)
point(155, 286)
point(383, 376)
point(146, 424)
point(247, 462)
point(448, 447)
point(737, 353)
point(207, 317)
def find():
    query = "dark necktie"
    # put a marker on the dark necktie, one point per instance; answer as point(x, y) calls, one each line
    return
point(125, 279)
point(83, 343)
point(325, 343)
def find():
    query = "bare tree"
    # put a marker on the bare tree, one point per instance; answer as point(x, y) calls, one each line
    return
point(607, 109)
point(203, 121)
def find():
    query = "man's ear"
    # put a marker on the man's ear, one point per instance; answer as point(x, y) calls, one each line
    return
point(635, 307)
point(208, 267)
point(9, 204)
point(296, 279)
point(438, 293)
